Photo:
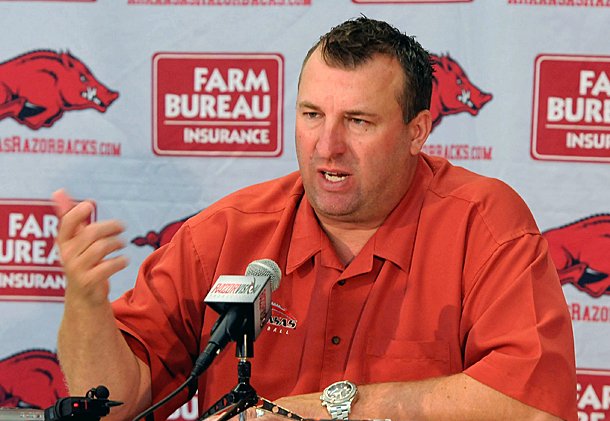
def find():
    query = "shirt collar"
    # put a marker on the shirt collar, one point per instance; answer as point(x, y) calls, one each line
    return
point(306, 238)
point(395, 238)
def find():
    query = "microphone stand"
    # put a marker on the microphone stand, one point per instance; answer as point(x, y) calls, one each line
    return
point(243, 396)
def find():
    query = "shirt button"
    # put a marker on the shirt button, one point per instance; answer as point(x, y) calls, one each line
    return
point(336, 340)
point(341, 282)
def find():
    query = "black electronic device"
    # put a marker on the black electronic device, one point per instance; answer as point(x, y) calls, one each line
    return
point(91, 407)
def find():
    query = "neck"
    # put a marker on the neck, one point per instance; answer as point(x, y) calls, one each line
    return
point(347, 240)
point(348, 237)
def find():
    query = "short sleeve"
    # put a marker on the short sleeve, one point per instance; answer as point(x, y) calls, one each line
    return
point(161, 317)
point(517, 327)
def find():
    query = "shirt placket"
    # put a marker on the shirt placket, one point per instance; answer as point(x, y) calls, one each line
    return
point(346, 300)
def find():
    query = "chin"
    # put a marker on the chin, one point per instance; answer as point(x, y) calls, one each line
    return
point(336, 212)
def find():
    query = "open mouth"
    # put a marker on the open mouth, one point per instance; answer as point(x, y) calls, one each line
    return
point(464, 98)
point(334, 177)
point(91, 95)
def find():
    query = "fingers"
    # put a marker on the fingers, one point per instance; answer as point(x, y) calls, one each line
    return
point(105, 269)
point(86, 249)
point(92, 247)
point(94, 241)
point(99, 249)
point(74, 220)
point(87, 259)
point(63, 202)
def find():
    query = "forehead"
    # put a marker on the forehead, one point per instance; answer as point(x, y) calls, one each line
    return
point(379, 79)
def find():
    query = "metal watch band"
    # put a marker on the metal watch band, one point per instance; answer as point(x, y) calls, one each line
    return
point(339, 411)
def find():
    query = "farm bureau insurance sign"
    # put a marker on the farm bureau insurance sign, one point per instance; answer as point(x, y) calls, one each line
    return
point(227, 104)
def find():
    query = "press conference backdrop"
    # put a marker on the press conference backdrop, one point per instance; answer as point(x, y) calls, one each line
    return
point(157, 108)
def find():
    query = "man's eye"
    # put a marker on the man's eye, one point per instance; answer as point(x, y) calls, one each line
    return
point(310, 114)
point(358, 121)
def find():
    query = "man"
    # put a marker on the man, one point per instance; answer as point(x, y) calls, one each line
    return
point(426, 286)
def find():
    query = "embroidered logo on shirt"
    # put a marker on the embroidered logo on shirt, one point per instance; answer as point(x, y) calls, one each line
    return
point(281, 321)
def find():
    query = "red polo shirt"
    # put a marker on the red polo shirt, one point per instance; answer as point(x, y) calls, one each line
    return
point(457, 279)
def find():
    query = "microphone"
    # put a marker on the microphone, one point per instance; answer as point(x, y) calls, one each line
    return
point(244, 305)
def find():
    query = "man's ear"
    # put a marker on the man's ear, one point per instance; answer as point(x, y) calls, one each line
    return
point(419, 129)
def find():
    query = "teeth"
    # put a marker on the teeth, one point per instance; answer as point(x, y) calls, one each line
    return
point(333, 177)
point(464, 98)
point(91, 95)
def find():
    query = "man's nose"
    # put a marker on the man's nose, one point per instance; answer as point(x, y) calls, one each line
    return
point(332, 139)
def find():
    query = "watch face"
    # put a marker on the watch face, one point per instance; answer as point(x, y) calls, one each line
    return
point(340, 392)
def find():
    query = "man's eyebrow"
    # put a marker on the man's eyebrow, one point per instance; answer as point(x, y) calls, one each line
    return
point(351, 113)
point(307, 104)
point(360, 113)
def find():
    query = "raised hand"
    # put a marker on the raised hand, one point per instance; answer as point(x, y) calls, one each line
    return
point(85, 250)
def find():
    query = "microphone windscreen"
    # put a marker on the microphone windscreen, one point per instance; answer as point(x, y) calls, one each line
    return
point(266, 267)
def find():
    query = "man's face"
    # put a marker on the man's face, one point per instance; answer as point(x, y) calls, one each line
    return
point(354, 149)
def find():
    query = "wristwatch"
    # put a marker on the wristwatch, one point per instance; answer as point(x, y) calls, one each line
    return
point(338, 399)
